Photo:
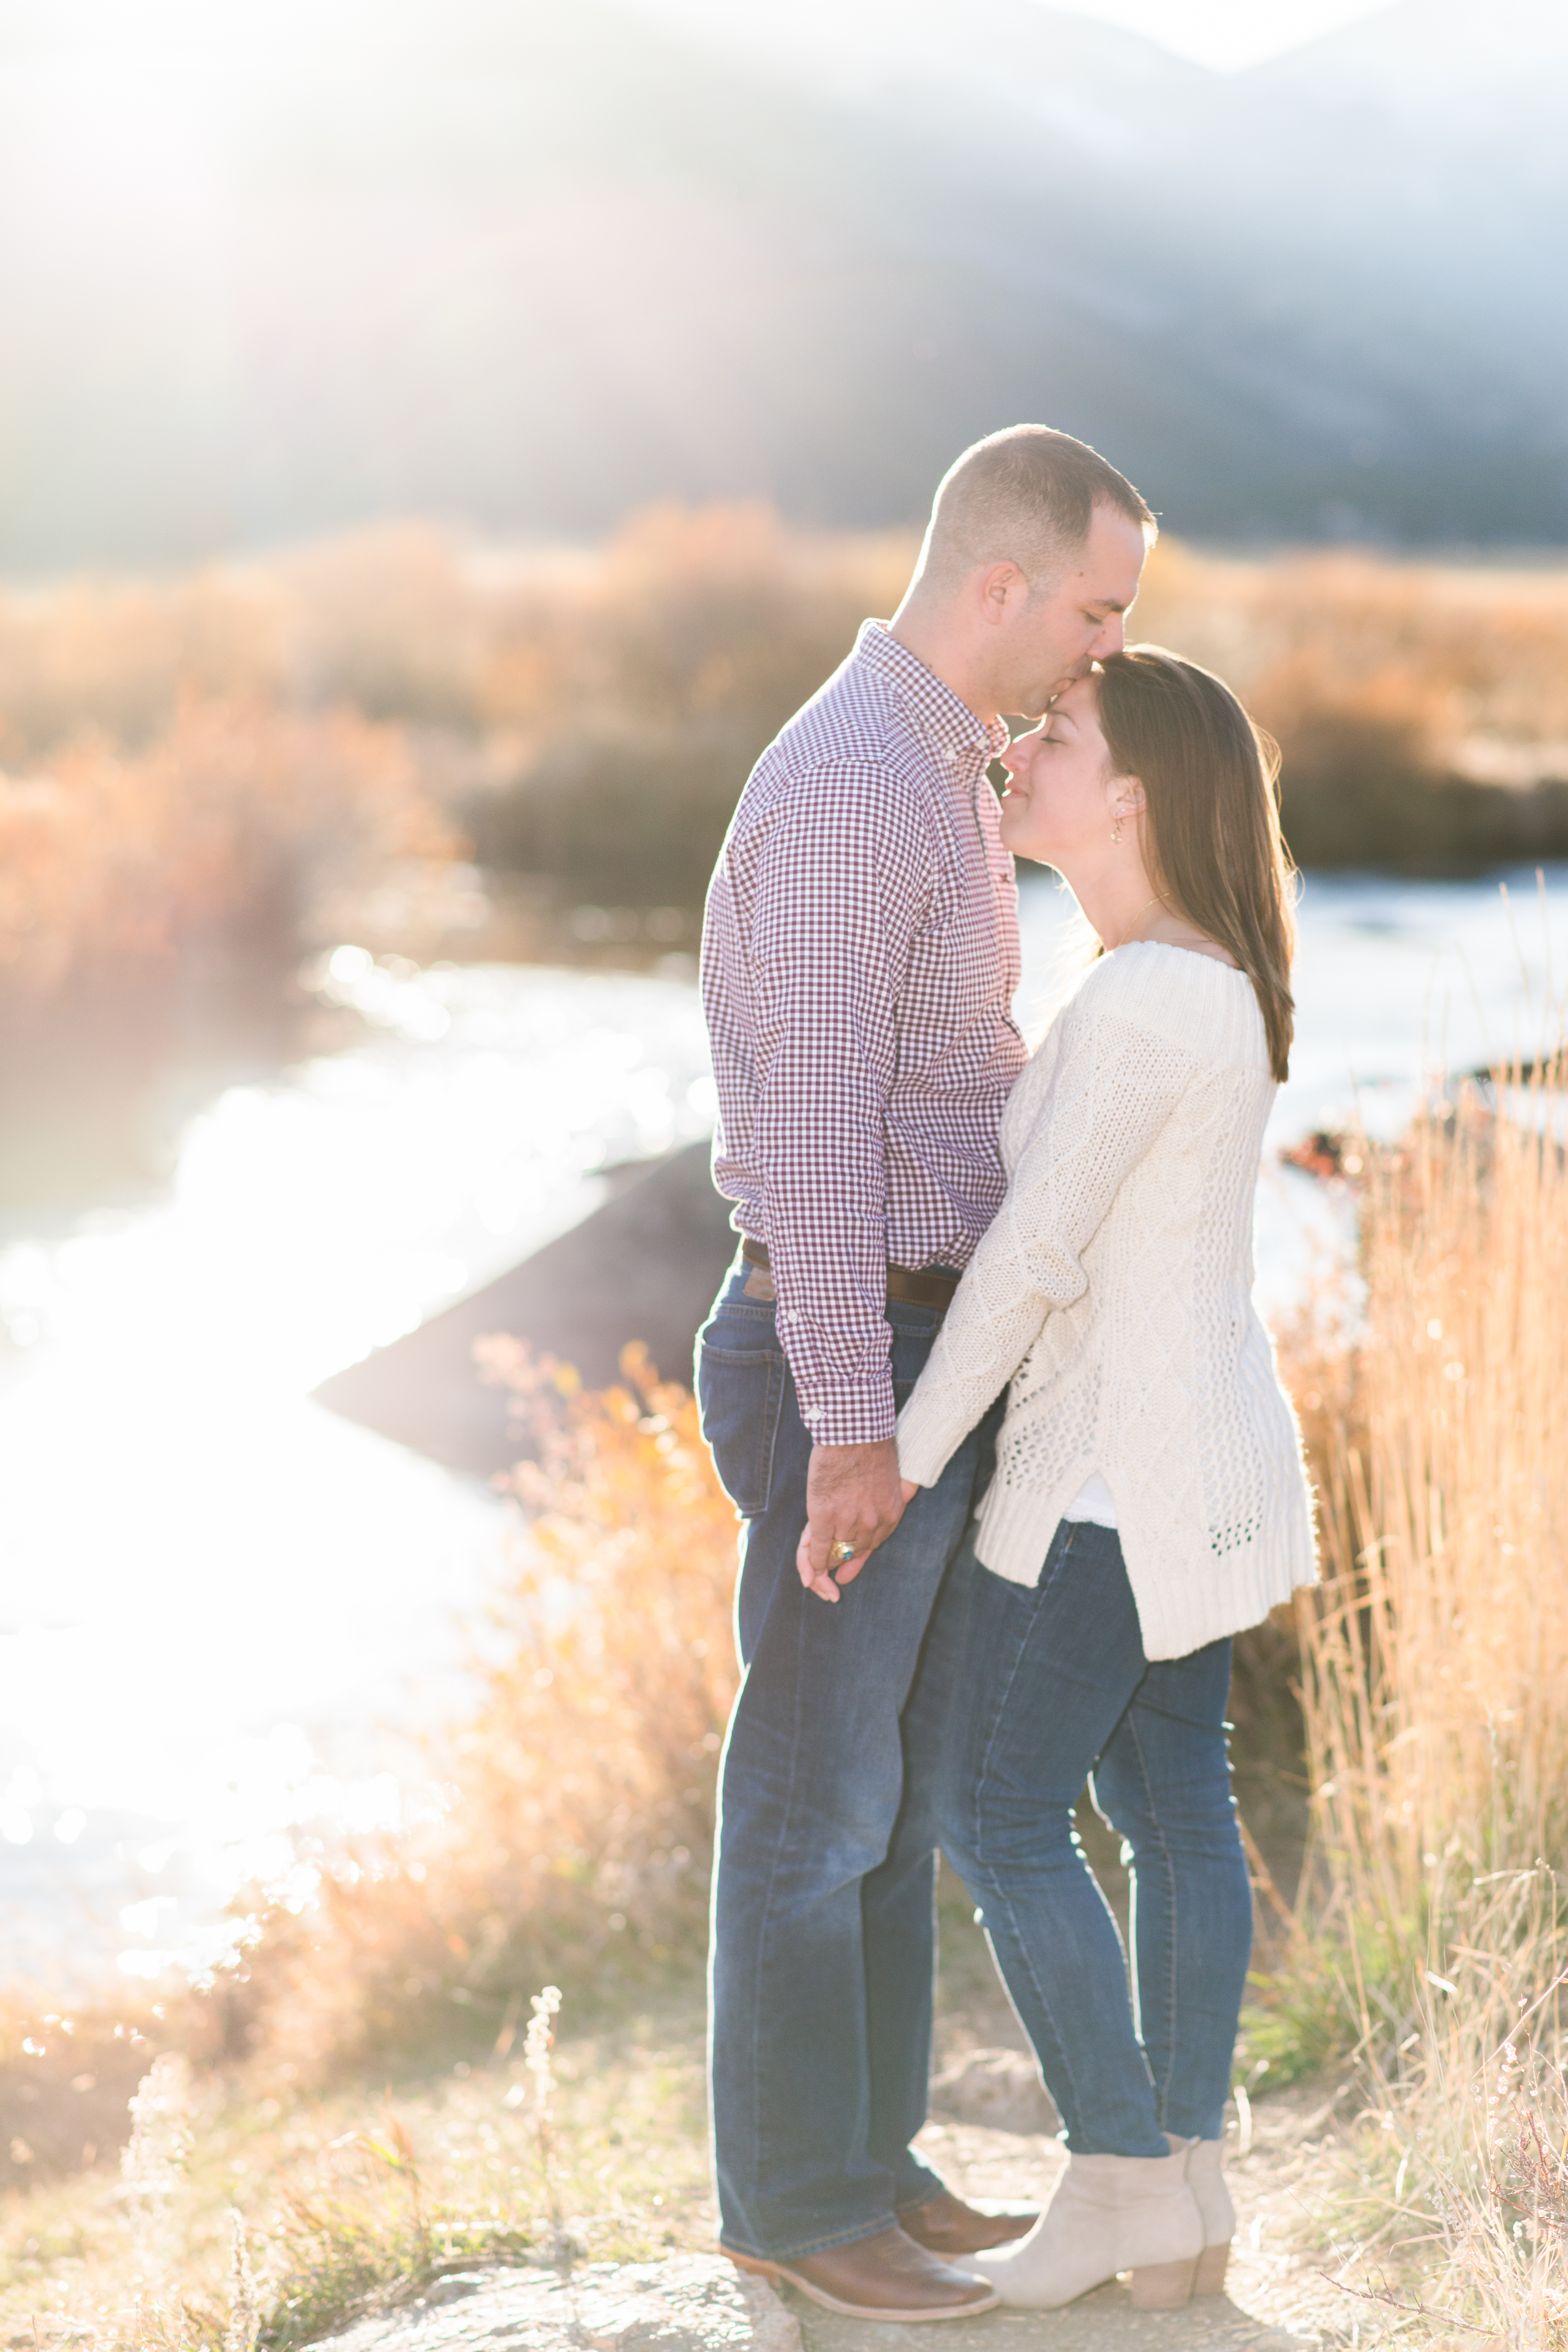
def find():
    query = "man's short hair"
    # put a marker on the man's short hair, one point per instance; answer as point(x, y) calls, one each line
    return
point(1025, 496)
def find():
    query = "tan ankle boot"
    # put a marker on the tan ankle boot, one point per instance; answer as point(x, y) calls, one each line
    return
point(1109, 2213)
point(1205, 2178)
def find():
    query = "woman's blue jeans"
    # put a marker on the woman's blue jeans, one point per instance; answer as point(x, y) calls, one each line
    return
point(1047, 1686)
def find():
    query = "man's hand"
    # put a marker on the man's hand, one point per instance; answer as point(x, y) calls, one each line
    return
point(853, 1496)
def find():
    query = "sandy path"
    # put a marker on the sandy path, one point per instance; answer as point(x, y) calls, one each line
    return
point(1277, 2298)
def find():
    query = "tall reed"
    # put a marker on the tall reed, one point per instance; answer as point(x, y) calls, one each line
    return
point(1434, 1686)
point(575, 1837)
point(1437, 1653)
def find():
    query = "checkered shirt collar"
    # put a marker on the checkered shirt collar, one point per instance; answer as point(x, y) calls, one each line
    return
point(948, 725)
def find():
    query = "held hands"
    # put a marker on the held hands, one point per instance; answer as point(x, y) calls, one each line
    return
point(853, 1496)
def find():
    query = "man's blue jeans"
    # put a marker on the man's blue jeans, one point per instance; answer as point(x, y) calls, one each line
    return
point(1041, 1687)
point(823, 1939)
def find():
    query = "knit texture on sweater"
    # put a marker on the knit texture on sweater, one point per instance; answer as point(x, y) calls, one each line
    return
point(1114, 1291)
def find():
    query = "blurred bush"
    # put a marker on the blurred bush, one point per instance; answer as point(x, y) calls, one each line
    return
point(156, 898)
point(202, 780)
point(633, 696)
point(590, 716)
point(237, 827)
point(1422, 709)
point(575, 1838)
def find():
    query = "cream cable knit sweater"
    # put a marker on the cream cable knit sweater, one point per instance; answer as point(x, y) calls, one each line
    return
point(1114, 1291)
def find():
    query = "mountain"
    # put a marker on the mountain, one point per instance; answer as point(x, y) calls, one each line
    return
point(1441, 61)
point(269, 268)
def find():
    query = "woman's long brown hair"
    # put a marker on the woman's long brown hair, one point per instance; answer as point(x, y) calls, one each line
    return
point(1211, 821)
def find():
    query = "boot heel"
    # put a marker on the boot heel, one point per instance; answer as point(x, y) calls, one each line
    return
point(1210, 2279)
point(1162, 2286)
point(770, 2270)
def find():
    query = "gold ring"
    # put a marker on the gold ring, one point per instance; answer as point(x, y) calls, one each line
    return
point(840, 1553)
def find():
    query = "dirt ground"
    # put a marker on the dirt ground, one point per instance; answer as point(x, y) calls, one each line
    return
point(1275, 2300)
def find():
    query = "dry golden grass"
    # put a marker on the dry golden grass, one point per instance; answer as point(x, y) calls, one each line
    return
point(577, 1832)
point(577, 1835)
point(356, 2197)
point(1433, 1924)
point(1437, 1682)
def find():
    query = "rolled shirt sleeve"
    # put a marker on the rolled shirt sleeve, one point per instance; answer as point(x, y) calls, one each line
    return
point(839, 900)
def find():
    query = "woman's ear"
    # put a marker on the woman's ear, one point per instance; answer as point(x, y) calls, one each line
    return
point(1127, 796)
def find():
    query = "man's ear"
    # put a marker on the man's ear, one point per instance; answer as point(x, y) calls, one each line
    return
point(1000, 589)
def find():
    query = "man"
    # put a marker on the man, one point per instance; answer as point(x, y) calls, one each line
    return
point(859, 959)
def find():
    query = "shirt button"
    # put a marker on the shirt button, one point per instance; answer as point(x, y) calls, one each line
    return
point(812, 1413)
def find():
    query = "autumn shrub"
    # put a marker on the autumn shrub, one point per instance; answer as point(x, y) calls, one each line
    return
point(397, 620)
point(388, 620)
point(640, 689)
point(115, 658)
point(153, 899)
point(204, 779)
point(1420, 708)
point(589, 715)
point(235, 819)
point(575, 1839)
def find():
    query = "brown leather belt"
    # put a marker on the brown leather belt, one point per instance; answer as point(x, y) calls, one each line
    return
point(932, 1290)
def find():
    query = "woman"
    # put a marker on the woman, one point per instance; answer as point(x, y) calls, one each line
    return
point(1148, 1499)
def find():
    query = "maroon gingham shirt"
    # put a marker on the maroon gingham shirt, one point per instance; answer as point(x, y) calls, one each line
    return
point(858, 963)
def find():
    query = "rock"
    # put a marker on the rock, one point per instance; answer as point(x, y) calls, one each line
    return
point(644, 1266)
point(690, 2303)
point(452, 2289)
point(998, 2088)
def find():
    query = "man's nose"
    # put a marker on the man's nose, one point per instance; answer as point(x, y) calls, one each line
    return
point(1111, 638)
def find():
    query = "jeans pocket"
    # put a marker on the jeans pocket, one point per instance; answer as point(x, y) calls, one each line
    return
point(740, 1392)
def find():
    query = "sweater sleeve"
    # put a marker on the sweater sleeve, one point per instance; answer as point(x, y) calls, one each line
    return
point(1114, 1086)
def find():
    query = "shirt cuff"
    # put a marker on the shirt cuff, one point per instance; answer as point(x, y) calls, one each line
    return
point(852, 1416)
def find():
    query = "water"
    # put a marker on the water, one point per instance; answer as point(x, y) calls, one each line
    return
point(210, 1582)
point(213, 1591)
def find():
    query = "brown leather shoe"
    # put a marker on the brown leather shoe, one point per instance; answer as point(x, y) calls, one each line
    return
point(946, 2226)
point(883, 2277)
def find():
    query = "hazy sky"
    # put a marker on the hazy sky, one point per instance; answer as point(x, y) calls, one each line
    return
point(1227, 32)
